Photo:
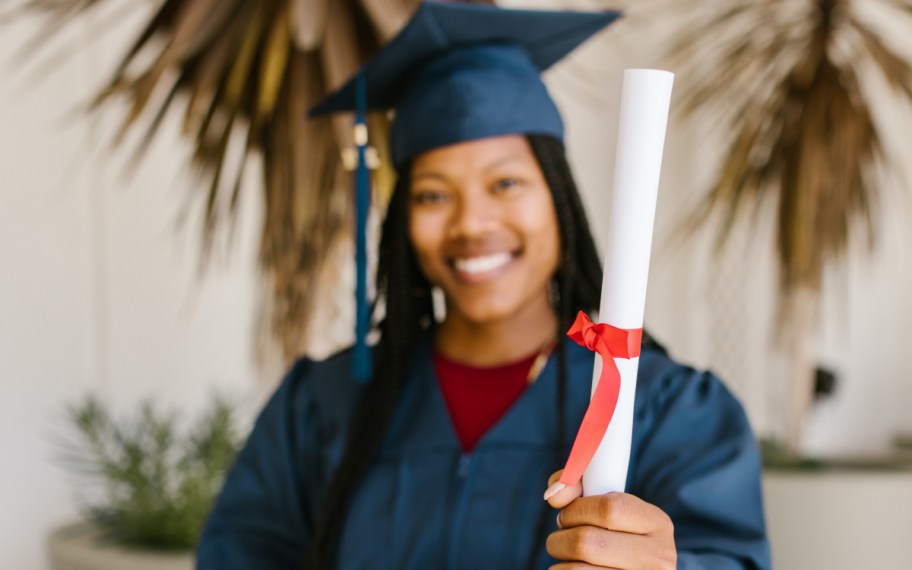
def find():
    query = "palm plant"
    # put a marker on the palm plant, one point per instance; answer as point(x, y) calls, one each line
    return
point(249, 70)
point(787, 81)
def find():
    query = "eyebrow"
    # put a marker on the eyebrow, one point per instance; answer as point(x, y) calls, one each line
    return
point(500, 162)
point(437, 176)
point(432, 175)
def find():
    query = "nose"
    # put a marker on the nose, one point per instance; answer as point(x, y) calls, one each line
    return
point(473, 216)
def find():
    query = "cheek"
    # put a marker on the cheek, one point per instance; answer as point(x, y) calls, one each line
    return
point(551, 247)
point(426, 236)
point(540, 222)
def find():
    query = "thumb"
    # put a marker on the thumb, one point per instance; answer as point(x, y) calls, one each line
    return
point(559, 495)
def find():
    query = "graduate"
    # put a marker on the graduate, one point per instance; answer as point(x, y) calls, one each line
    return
point(441, 458)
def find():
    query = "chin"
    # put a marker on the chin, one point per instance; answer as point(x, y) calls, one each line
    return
point(483, 314)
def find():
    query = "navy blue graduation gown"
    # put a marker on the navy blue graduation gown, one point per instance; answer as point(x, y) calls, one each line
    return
point(424, 504)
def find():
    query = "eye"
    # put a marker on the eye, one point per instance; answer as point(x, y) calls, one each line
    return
point(429, 197)
point(506, 183)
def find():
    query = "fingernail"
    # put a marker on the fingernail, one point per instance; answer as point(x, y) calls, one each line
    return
point(554, 489)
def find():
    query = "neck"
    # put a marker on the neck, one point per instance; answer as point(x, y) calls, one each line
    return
point(498, 342)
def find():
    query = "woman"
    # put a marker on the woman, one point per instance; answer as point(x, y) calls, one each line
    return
point(440, 460)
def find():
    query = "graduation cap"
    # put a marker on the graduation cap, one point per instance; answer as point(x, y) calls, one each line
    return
point(456, 72)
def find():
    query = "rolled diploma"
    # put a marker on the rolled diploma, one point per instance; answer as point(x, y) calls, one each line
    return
point(645, 99)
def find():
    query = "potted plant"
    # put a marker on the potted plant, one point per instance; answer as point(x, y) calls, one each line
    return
point(147, 486)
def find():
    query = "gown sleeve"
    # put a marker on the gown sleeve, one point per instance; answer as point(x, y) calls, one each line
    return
point(695, 457)
point(263, 516)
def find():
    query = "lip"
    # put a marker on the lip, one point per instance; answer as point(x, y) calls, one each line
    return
point(481, 267)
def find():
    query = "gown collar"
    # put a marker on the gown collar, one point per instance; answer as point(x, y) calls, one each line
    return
point(423, 423)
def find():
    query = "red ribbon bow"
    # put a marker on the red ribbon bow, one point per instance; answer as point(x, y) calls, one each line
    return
point(610, 343)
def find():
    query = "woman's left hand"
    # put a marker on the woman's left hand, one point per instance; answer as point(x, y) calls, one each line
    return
point(616, 531)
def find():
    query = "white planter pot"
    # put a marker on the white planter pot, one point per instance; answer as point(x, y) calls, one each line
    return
point(838, 520)
point(78, 546)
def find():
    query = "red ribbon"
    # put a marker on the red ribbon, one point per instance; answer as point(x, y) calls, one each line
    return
point(610, 342)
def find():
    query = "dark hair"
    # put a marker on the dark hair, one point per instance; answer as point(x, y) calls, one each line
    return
point(406, 296)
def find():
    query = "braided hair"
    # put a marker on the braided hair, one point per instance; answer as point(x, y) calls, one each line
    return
point(406, 294)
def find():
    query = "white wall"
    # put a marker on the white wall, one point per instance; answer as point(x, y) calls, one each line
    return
point(839, 520)
point(98, 291)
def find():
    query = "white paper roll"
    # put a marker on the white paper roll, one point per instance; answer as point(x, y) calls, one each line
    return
point(645, 100)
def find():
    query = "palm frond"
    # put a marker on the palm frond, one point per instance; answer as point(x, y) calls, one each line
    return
point(785, 79)
point(802, 127)
point(248, 70)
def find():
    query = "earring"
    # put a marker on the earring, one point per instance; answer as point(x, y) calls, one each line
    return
point(438, 302)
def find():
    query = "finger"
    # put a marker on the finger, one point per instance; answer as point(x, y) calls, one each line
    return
point(559, 495)
point(578, 566)
point(615, 511)
point(602, 548)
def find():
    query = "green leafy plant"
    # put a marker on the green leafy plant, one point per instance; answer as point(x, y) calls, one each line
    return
point(152, 484)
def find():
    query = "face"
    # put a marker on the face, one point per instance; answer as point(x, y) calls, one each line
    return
point(484, 229)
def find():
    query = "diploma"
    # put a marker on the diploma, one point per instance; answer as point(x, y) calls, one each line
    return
point(645, 100)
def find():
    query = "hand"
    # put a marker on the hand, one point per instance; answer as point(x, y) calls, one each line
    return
point(616, 531)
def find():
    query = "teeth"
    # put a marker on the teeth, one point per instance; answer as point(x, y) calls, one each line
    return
point(482, 264)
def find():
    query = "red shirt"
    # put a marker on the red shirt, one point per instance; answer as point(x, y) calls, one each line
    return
point(478, 397)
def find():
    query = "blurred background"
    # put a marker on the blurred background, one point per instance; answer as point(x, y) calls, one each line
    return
point(107, 286)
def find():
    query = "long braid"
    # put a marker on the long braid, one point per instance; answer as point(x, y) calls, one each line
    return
point(408, 308)
point(578, 282)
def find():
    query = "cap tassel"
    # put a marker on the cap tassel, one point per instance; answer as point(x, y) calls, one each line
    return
point(363, 367)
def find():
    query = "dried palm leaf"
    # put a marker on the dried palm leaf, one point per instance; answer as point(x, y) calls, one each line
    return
point(784, 79)
point(249, 70)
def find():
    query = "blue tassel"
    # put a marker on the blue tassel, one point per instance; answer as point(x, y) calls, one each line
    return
point(363, 367)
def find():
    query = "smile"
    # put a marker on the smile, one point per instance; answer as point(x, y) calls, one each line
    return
point(474, 266)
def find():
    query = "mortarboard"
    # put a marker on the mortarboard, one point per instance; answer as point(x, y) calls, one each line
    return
point(456, 72)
